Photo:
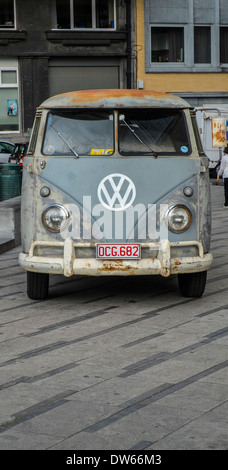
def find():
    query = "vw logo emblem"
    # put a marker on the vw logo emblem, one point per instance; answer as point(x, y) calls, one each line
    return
point(116, 192)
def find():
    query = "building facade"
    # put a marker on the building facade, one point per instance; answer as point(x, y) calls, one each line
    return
point(53, 46)
point(182, 48)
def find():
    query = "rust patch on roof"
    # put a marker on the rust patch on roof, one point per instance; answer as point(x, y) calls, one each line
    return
point(116, 98)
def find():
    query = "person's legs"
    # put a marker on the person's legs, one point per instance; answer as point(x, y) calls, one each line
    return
point(226, 191)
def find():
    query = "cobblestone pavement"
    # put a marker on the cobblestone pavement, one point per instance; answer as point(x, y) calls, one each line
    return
point(116, 363)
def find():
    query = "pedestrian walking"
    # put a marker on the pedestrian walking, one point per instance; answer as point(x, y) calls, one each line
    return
point(223, 171)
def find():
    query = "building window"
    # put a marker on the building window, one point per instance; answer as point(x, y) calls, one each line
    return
point(87, 14)
point(9, 120)
point(202, 45)
point(7, 14)
point(224, 45)
point(167, 44)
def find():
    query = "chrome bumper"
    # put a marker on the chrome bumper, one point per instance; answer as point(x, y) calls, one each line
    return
point(69, 265)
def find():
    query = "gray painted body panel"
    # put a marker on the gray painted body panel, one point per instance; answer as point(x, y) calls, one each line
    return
point(153, 179)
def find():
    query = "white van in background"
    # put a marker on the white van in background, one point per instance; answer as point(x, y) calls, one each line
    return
point(212, 122)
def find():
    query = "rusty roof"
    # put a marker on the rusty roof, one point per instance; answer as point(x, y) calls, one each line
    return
point(116, 98)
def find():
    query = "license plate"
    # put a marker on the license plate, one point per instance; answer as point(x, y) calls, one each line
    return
point(118, 251)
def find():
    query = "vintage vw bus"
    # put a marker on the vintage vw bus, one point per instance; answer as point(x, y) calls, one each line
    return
point(115, 183)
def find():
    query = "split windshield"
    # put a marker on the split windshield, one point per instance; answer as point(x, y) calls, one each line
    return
point(140, 132)
point(79, 133)
point(154, 131)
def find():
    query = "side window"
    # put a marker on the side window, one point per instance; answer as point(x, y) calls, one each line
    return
point(85, 14)
point(7, 19)
point(224, 45)
point(6, 147)
point(167, 44)
point(9, 120)
point(197, 135)
point(34, 135)
point(202, 45)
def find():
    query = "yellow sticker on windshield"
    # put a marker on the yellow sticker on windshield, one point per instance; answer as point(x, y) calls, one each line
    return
point(101, 152)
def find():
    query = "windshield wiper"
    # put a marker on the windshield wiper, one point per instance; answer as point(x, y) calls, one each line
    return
point(65, 142)
point(140, 140)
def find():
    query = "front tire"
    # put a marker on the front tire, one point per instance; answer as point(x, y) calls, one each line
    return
point(192, 284)
point(37, 285)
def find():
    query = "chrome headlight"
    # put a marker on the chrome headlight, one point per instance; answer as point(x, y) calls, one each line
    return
point(179, 218)
point(54, 216)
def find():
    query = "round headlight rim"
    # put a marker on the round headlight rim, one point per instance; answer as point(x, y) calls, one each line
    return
point(188, 211)
point(54, 205)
